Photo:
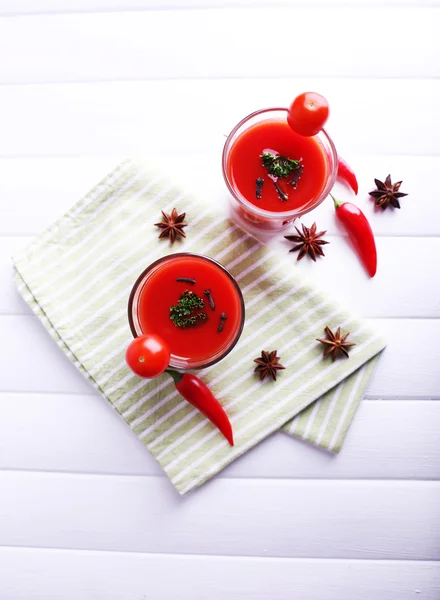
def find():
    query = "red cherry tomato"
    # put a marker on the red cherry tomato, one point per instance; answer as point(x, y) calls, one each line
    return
point(148, 356)
point(308, 113)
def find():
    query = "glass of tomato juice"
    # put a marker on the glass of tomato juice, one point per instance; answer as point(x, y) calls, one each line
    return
point(161, 286)
point(267, 130)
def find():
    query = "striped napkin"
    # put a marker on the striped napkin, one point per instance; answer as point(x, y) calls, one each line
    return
point(77, 277)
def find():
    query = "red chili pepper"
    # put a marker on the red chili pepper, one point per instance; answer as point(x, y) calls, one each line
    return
point(359, 232)
point(346, 173)
point(201, 397)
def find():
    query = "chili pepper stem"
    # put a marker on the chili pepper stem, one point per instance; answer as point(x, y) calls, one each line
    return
point(174, 374)
point(337, 203)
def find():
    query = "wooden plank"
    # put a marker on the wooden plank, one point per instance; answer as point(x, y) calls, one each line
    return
point(130, 43)
point(30, 574)
point(26, 7)
point(231, 515)
point(410, 220)
point(39, 363)
point(35, 192)
point(146, 117)
point(416, 375)
point(253, 517)
point(38, 190)
point(10, 300)
point(48, 370)
point(388, 440)
point(399, 276)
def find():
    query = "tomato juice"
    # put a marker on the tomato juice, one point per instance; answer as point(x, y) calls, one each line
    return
point(244, 165)
point(158, 289)
point(267, 131)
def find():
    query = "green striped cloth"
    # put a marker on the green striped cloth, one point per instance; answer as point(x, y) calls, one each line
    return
point(77, 277)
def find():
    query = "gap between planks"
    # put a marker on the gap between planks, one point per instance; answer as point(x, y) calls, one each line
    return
point(223, 557)
point(342, 234)
point(255, 479)
point(259, 478)
point(203, 78)
point(108, 6)
point(369, 397)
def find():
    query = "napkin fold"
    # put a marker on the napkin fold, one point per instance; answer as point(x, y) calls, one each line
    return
point(77, 277)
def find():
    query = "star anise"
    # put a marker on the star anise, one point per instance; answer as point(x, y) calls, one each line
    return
point(172, 225)
point(335, 343)
point(387, 193)
point(308, 242)
point(268, 365)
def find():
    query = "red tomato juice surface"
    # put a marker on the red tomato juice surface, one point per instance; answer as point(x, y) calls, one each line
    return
point(244, 165)
point(161, 291)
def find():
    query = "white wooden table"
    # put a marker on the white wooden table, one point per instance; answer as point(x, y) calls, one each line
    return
point(85, 512)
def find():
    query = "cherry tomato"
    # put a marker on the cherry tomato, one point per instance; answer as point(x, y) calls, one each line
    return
point(308, 113)
point(148, 355)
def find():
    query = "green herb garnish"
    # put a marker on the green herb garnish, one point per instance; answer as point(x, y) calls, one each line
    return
point(279, 166)
point(182, 313)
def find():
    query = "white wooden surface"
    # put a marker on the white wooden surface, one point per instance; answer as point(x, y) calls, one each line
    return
point(85, 512)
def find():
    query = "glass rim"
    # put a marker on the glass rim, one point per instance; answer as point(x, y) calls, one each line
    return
point(162, 259)
point(267, 214)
